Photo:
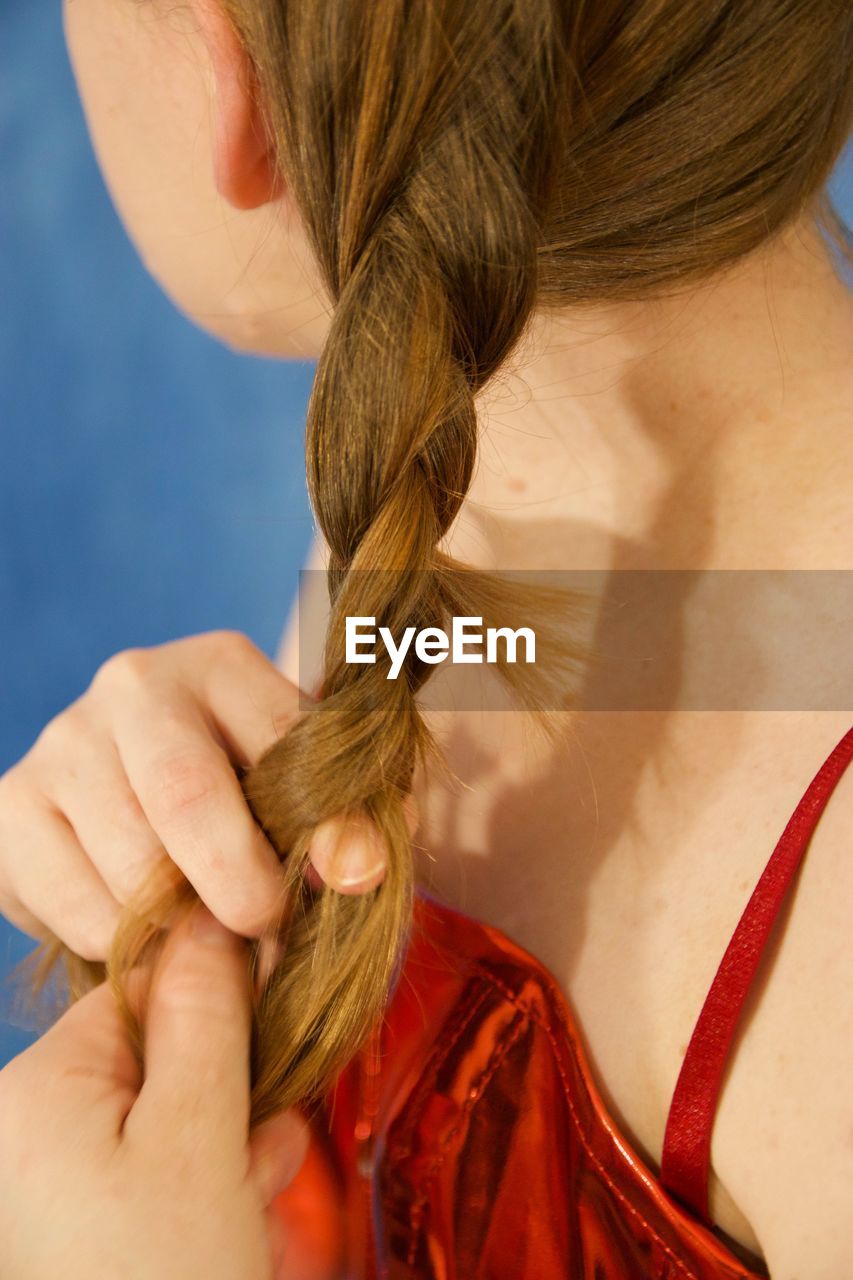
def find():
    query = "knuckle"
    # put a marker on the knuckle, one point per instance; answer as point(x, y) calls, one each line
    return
point(183, 782)
point(61, 738)
point(233, 639)
point(191, 989)
point(221, 642)
point(60, 731)
point(127, 666)
point(233, 645)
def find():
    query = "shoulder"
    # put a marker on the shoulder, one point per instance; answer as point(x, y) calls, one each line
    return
point(784, 1150)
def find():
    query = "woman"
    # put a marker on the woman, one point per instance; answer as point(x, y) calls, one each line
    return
point(590, 236)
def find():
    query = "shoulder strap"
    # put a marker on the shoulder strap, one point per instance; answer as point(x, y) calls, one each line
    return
point(687, 1141)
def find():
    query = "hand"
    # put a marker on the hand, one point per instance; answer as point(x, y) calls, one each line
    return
point(142, 767)
point(106, 1176)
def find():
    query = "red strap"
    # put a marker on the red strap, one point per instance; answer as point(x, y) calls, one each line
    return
point(687, 1141)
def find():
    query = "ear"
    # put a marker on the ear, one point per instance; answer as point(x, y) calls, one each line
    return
point(243, 158)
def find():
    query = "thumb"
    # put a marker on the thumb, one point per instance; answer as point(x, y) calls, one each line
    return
point(197, 1040)
point(87, 1056)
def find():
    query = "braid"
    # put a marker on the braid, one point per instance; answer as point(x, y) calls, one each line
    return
point(391, 446)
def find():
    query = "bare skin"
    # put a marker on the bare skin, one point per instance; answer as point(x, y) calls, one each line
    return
point(708, 432)
point(718, 438)
point(727, 446)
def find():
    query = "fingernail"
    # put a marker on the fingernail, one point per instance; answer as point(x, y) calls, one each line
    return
point(360, 876)
point(356, 859)
point(208, 930)
point(348, 852)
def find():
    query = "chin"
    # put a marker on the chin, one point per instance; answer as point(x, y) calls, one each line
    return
point(248, 333)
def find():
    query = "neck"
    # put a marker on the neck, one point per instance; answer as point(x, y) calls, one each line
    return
point(692, 430)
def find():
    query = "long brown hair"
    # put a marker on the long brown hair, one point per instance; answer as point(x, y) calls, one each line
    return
point(458, 164)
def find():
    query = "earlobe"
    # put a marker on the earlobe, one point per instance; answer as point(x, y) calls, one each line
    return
point(243, 158)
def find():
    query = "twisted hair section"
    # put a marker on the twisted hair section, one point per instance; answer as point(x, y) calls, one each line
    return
point(430, 296)
point(458, 166)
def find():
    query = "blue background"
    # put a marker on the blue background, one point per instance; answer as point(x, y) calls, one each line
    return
point(152, 482)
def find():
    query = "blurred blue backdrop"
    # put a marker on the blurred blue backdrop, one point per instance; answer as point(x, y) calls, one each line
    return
point(152, 482)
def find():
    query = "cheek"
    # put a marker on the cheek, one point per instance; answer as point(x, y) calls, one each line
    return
point(141, 74)
point(145, 81)
point(126, 71)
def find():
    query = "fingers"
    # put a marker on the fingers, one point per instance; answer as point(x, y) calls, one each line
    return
point(55, 883)
point(140, 770)
point(251, 702)
point(192, 798)
point(90, 787)
point(277, 1149)
point(349, 852)
point(197, 1042)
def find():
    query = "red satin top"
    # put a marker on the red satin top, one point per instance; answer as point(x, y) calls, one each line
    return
point(469, 1142)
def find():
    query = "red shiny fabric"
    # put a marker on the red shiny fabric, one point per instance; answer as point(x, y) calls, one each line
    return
point(470, 1142)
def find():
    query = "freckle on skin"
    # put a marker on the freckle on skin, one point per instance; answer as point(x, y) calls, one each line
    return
point(516, 484)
